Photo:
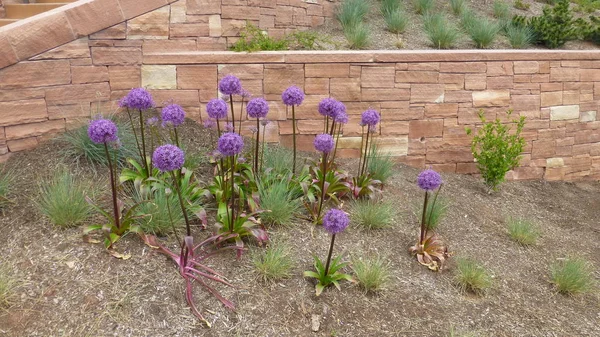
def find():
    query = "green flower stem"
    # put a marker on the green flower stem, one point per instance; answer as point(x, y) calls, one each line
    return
point(329, 255)
point(113, 187)
point(185, 216)
point(144, 158)
point(137, 142)
point(362, 141)
point(423, 227)
point(262, 152)
point(172, 224)
point(232, 113)
point(294, 139)
point(232, 194)
point(256, 148)
point(240, 120)
point(322, 188)
point(337, 139)
point(366, 150)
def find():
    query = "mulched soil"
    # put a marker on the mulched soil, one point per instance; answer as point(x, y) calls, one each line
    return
point(415, 37)
point(72, 288)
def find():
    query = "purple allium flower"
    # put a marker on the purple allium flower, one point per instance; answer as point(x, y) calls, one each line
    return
point(168, 158)
point(324, 143)
point(230, 85)
point(292, 96)
point(341, 117)
point(264, 122)
point(173, 114)
point(152, 121)
point(370, 117)
point(216, 108)
point(102, 131)
point(253, 129)
point(257, 108)
point(137, 98)
point(245, 93)
point(210, 123)
point(429, 180)
point(335, 221)
point(230, 144)
point(229, 127)
point(331, 107)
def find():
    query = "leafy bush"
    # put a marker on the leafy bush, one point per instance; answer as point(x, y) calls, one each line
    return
point(501, 10)
point(587, 6)
point(589, 30)
point(554, 27)
point(351, 13)
point(441, 33)
point(496, 149)
point(253, 38)
point(278, 201)
point(519, 37)
point(273, 263)
point(358, 37)
point(423, 6)
point(63, 200)
point(396, 20)
point(306, 40)
point(572, 276)
point(79, 145)
point(371, 214)
point(6, 182)
point(522, 231)
point(471, 276)
point(519, 4)
point(8, 284)
point(483, 32)
point(372, 273)
point(380, 165)
point(458, 6)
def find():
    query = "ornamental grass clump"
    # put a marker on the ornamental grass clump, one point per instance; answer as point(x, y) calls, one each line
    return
point(334, 222)
point(423, 7)
point(372, 273)
point(441, 33)
point(483, 31)
point(431, 251)
point(471, 276)
point(458, 6)
point(293, 96)
point(572, 276)
point(351, 13)
point(273, 263)
point(497, 148)
point(279, 201)
point(372, 214)
point(522, 231)
point(63, 200)
point(519, 37)
point(380, 165)
point(8, 284)
point(6, 186)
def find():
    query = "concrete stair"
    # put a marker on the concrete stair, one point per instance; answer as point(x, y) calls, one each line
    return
point(15, 12)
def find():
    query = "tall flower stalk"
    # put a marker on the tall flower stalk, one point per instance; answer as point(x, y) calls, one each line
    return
point(293, 96)
point(257, 108)
point(231, 144)
point(231, 85)
point(324, 143)
point(139, 99)
point(370, 118)
point(173, 115)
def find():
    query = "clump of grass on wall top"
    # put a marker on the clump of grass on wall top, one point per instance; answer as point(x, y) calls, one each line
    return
point(572, 276)
point(351, 13)
point(441, 33)
point(471, 276)
point(394, 15)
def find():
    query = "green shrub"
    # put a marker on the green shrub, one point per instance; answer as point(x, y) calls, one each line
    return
point(380, 165)
point(441, 33)
point(554, 27)
point(519, 37)
point(372, 273)
point(278, 201)
point(273, 263)
point(306, 40)
point(370, 214)
point(519, 4)
point(572, 276)
point(80, 146)
point(501, 10)
point(351, 13)
point(8, 284)
point(63, 200)
point(396, 20)
point(253, 38)
point(279, 159)
point(471, 276)
point(587, 6)
point(522, 231)
point(6, 183)
point(483, 32)
point(458, 6)
point(436, 212)
point(589, 30)
point(358, 37)
point(496, 149)
point(423, 6)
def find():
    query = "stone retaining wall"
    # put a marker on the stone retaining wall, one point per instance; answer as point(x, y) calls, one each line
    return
point(427, 98)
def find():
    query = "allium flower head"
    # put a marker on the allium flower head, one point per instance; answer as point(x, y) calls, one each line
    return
point(168, 158)
point(229, 127)
point(173, 114)
point(230, 144)
point(137, 98)
point(329, 107)
point(230, 85)
point(370, 117)
point(341, 117)
point(210, 123)
point(253, 129)
point(216, 108)
point(429, 180)
point(335, 221)
point(324, 143)
point(102, 131)
point(257, 108)
point(152, 121)
point(292, 96)
point(264, 122)
point(245, 93)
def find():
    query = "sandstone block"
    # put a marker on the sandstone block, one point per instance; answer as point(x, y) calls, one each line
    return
point(452, 81)
point(278, 77)
point(19, 112)
point(384, 94)
point(564, 74)
point(417, 76)
point(124, 77)
point(89, 74)
point(441, 110)
point(185, 98)
point(240, 12)
point(552, 98)
point(179, 30)
point(393, 128)
point(499, 68)
point(118, 31)
point(426, 128)
point(564, 112)
point(203, 7)
point(214, 26)
point(526, 67)
point(35, 74)
point(427, 93)
point(377, 77)
point(463, 67)
point(491, 98)
point(543, 148)
point(77, 93)
point(475, 82)
point(555, 162)
point(92, 16)
point(425, 66)
point(327, 70)
point(113, 56)
point(242, 71)
point(72, 50)
point(587, 116)
point(72, 111)
point(316, 86)
point(152, 25)
point(345, 89)
point(34, 129)
point(396, 146)
point(7, 57)
point(133, 8)
point(21, 94)
point(449, 155)
point(22, 144)
point(159, 76)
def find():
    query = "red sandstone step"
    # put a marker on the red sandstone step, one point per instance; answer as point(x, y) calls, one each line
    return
point(22, 11)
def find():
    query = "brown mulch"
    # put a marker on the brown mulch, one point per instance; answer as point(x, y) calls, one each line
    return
point(72, 288)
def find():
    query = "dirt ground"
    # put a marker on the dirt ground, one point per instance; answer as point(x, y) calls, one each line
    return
point(415, 37)
point(72, 288)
